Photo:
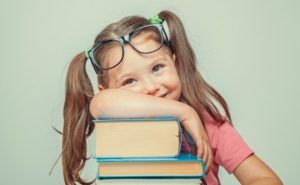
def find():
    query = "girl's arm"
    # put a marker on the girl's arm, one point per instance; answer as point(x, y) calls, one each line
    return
point(254, 171)
point(120, 103)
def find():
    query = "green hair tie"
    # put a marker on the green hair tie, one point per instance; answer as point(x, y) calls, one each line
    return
point(155, 20)
point(86, 52)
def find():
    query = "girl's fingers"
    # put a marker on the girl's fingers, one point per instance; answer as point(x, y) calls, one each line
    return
point(200, 148)
point(205, 152)
point(209, 160)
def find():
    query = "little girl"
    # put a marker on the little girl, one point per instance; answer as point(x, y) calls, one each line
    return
point(147, 68)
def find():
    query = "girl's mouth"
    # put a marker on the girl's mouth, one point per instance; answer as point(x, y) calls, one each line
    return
point(164, 95)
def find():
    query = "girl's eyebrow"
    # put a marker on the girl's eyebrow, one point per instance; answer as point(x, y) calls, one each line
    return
point(125, 74)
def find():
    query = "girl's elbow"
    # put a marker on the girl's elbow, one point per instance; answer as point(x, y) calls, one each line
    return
point(99, 103)
point(95, 108)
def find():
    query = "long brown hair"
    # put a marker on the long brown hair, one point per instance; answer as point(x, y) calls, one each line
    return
point(78, 124)
point(77, 120)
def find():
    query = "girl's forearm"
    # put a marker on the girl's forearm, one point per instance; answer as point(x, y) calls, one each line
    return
point(118, 103)
point(267, 180)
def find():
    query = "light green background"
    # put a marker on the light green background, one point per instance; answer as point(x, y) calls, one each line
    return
point(248, 50)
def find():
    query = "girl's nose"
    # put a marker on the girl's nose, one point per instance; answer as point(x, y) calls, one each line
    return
point(150, 87)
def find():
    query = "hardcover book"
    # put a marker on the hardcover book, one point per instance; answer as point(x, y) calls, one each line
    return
point(138, 137)
point(184, 166)
point(149, 182)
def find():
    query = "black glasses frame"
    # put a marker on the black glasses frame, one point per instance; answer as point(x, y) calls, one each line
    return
point(126, 39)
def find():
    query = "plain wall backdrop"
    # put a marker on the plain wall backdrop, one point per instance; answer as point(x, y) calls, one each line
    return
point(248, 50)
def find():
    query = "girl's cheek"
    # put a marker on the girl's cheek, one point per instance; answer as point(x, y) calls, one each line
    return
point(132, 88)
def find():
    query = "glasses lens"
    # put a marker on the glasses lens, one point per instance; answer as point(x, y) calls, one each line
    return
point(109, 54)
point(147, 40)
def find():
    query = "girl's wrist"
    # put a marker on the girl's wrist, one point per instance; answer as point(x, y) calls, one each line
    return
point(187, 112)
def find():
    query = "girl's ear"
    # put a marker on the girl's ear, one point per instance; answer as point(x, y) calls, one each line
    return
point(100, 87)
point(174, 57)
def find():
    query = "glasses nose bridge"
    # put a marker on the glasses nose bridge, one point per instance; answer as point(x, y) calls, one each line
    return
point(125, 39)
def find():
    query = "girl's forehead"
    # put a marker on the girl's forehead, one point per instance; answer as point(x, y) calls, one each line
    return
point(112, 53)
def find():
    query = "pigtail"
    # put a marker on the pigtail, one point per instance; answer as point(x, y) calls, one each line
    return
point(78, 123)
point(186, 64)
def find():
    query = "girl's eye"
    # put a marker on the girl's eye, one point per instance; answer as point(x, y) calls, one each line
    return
point(156, 67)
point(128, 81)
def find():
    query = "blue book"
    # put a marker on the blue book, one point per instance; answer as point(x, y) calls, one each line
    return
point(138, 137)
point(185, 166)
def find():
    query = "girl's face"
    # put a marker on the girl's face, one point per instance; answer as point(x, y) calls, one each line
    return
point(153, 74)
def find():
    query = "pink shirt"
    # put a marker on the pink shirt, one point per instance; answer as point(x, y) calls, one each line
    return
point(228, 148)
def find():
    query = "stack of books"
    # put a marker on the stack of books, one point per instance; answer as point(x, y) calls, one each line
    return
point(144, 151)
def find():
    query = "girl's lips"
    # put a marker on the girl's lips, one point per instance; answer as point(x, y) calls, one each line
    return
point(164, 95)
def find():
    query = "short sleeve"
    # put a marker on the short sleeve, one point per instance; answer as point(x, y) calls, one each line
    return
point(231, 149)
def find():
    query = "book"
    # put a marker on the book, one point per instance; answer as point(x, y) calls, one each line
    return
point(185, 166)
point(138, 137)
point(149, 182)
point(144, 151)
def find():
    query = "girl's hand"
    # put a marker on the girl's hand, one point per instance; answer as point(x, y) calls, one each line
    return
point(193, 124)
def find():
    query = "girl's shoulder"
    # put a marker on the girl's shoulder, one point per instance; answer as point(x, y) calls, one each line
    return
point(216, 130)
point(210, 123)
